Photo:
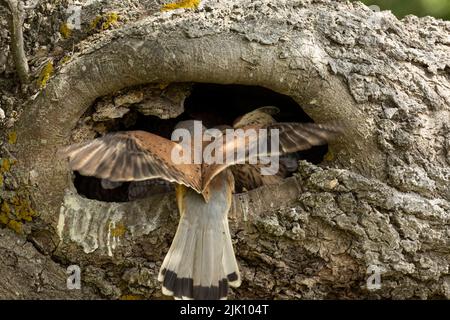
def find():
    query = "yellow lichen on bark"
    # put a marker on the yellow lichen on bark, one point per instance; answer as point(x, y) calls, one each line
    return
point(65, 30)
point(15, 211)
point(12, 137)
point(22, 209)
point(105, 22)
point(329, 156)
point(64, 60)
point(131, 297)
point(15, 225)
point(163, 85)
point(5, 165)
point(183, 4)
point(119, 230)
point(46, 72)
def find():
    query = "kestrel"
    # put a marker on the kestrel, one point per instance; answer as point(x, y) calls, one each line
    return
point(248, 176)
point(201, 263)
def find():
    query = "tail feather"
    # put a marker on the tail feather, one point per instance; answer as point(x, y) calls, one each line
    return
point(174, 261)
point(229, 262)
point(200, 263)
point(207, 265)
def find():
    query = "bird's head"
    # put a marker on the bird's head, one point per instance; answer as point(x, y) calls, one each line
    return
point(191, 125)
point(260, 117)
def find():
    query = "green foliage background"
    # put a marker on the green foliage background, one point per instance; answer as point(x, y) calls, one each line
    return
point(401, 8)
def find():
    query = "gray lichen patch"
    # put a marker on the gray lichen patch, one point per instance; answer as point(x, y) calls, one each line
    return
point(96, 225)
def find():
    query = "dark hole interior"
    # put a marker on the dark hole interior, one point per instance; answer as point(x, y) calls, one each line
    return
point(214, 105)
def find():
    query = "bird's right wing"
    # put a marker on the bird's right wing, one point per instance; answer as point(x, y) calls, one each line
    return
point(292, 137)
point(132, 156)
point(295, 136)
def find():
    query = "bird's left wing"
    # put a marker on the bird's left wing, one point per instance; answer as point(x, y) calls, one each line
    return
point(132, 156)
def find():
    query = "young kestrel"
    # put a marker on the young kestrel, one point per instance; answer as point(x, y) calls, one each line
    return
point(201, 263)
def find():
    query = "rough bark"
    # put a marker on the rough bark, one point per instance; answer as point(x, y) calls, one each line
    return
point(16, 19)
point(382, 198)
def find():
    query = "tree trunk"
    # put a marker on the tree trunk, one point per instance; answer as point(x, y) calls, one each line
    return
point(378, 206)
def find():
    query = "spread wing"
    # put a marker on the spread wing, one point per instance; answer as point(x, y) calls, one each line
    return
point(132, 156)
point(302, 136)
point(292, 137)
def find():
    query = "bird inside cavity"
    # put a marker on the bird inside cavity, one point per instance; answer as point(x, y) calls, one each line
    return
point(201, 262)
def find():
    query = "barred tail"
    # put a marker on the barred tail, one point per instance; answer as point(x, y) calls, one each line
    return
point(200, 263)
